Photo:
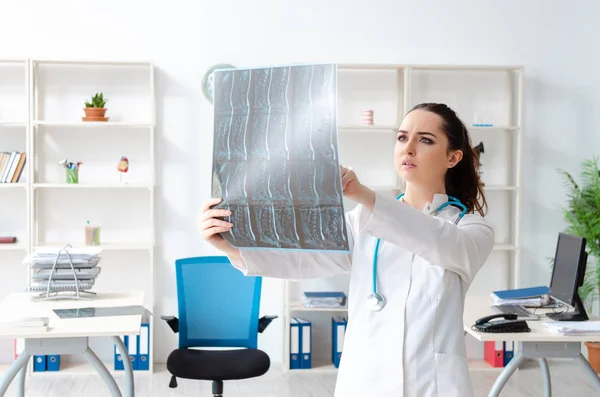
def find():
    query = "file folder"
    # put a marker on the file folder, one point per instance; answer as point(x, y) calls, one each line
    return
point(338, 332)
point(305, 343)
point(132, 348)
point(119, 366)
point(144, 348)
point(509, 351)
point(39, 363)
point(53, 362)
point(294, 344)
point(523, 293)
point(493, 353)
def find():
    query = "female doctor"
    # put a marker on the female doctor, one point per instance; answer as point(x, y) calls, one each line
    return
point(411, 262)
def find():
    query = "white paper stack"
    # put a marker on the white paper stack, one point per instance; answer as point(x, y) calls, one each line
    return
point(81, 276)
point(25, 325)
point(574, 327)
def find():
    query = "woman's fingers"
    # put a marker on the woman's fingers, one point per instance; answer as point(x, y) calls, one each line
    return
point(209, 203)
point(208, 214)
point(215, 230)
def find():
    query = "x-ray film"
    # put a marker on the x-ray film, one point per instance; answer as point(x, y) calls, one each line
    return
point(275, 157)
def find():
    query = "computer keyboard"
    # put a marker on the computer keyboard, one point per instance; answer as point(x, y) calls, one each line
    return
point(515, 309)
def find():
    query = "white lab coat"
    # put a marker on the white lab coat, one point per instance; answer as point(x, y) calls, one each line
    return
point(415, 346)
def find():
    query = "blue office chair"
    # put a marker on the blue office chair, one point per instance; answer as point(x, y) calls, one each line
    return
point(218, 307)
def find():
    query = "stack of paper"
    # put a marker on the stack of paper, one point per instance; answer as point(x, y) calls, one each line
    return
point(574, 327)
point(81, 275)
point(534, 296)
point(324, 300)
point(25, 325)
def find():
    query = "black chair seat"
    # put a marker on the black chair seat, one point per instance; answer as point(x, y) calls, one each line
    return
point(218, 365)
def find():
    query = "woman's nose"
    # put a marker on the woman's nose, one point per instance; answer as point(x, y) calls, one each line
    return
point(409, 148)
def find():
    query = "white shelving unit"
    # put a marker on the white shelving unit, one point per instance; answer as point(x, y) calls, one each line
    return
point(55, 214)
point(490, 94)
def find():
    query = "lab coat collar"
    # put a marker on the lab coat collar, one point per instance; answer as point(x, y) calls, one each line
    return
point(438, 200)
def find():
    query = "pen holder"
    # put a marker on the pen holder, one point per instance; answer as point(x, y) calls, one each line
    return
point(92, 235)
point(72, 175)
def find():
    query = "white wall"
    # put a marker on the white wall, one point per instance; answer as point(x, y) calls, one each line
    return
point(555, 40)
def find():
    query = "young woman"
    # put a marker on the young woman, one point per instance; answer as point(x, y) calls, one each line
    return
point(411, 261)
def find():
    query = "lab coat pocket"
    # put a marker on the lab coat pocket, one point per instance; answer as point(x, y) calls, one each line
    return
point(452, 376)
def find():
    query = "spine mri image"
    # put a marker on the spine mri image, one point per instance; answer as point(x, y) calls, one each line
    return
point(275, 157)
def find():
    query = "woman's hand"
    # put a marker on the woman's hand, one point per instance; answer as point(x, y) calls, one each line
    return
point(355, 190)
point(210, 227)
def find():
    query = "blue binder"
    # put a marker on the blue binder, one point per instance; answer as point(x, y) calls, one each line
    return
point(338, 332)
point(294, 344)
point(523, 293)
point(53, 362)
point(143, 360)
point(509, 350)
point(305, 343)
point(39, 363)
point(119, 366)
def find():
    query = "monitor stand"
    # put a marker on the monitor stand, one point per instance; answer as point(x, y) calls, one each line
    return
point(578, 315)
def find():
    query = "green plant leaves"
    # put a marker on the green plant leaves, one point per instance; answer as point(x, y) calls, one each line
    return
point(98, 101)
point(582, 214)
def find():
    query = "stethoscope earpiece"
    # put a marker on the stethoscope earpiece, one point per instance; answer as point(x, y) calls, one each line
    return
point(376, 301)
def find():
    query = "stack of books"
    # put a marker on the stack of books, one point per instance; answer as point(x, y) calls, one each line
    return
point(11, 166)
point(57, 270)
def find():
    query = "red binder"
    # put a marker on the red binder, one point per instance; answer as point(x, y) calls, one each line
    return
point(493, 353)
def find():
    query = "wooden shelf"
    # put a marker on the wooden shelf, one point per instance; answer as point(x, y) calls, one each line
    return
point(299, 307)
point(368, 128)
point(91, 124)
point(19, 185)
point(141, 246)
point(493, 128)
point(9, 123)
point(13, 247)
point(90, 186)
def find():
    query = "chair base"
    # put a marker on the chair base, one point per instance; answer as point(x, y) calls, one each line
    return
point(217, 388)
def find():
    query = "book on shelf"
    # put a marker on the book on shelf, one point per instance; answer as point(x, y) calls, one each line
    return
point(11, 166)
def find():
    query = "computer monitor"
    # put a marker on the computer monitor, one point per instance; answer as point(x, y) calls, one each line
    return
point(567, 276)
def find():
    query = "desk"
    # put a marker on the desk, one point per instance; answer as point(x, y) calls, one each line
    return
point(539, 344)
point(70, 336)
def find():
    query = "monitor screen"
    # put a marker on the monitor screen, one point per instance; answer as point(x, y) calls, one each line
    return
point(570, 254)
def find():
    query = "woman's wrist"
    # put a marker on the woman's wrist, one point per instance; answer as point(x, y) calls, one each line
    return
point(366, 197)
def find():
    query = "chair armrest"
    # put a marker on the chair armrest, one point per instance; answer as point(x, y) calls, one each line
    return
point(172, 321)
point(264, 322)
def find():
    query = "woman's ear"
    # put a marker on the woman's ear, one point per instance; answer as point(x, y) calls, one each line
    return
point(455, 158)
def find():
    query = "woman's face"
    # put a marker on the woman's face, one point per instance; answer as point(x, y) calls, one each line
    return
point(421, 153)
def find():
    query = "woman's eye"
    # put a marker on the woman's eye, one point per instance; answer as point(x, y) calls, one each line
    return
point(401, 138)
point(426, 140)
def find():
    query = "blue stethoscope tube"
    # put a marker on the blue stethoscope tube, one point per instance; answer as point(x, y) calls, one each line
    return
point(376, 300)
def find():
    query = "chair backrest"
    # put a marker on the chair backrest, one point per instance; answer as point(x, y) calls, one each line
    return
point(218, 305)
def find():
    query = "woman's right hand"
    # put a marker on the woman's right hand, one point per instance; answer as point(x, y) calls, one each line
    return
point(210, 227)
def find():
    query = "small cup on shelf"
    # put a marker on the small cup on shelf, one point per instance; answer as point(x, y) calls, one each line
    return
point(92, 235)
point(72, 175)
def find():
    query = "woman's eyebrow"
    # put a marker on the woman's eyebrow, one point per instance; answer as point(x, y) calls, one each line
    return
point(418, 133)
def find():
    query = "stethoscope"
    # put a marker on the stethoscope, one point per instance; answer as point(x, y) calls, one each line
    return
point(376, 301)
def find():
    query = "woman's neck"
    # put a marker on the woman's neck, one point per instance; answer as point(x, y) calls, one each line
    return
point(418, 196)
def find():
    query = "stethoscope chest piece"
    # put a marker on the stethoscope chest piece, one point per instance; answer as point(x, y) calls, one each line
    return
point(376, 302)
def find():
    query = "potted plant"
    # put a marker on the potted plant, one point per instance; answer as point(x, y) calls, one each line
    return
point(582, 215)
point(95, 110)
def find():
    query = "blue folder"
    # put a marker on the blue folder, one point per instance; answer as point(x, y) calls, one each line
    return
point(305, 343)
point(39, 363)
point(523, 293)
point(294, 344)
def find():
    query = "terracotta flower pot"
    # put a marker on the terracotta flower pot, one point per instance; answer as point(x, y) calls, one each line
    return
point(594, 355)
point(95, 114)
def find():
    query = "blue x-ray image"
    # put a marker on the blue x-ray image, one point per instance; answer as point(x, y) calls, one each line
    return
point(275, 157)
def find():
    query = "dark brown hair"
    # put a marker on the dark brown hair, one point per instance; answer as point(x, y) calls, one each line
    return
point(462, 180)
